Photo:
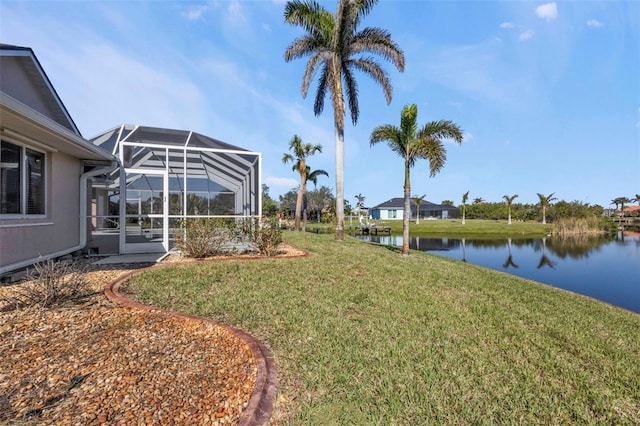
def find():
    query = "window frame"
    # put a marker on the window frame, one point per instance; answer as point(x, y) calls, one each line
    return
point(24, 177)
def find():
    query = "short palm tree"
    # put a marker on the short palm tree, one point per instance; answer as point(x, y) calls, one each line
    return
point(299, 159)
point(337, 49)
point(621, 201)
point(544, 202)
point(418, 200)
point(359, 203)
point(465, 198)
point(312, 176)
point(412, 144)
point(509, 201)
point(478, 200)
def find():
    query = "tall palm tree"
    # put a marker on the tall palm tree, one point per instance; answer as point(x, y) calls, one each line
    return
point(299, 159)
point(544, 202)
point(337, 49)
point(509, 201)
point(465, 198)
point(638, 199)
point(418, 201)
point(413, 144)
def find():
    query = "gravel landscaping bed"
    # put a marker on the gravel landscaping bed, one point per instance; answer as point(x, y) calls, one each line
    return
point(96, 362)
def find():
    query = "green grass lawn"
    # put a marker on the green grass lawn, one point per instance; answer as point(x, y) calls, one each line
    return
point(475, 227)
point(362, 335)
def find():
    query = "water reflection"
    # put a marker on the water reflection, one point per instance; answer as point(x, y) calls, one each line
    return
point(544, 259)
point(603, 267)
point(509, 261)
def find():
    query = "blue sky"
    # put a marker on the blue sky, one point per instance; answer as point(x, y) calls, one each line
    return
point(548, 94)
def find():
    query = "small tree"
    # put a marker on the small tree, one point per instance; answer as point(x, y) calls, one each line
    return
point(465, 198)
point(359, 203)
point(301, 151)
point(413, 144)
point(418, 201)
point(509, 201)
point(544, 202)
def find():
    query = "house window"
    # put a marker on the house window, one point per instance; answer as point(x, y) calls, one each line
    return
point(393, 214)
point(21, 180)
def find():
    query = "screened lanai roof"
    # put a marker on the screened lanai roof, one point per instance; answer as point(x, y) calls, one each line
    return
point(186, 154)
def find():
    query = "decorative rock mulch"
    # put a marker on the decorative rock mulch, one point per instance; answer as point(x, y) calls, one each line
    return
point(100, 363)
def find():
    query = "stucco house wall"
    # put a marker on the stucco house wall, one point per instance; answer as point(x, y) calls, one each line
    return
point(59, 228)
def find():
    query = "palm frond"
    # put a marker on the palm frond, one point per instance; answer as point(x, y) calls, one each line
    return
point(351, 87)
point(363, 8)
point(409, 121)
point(315, 61)
point(429, 149)
point(442, 129)
point(392, 135)
point(378, 41)
point(309, 15)
point(321, 92)
point(373, 69)
point(287, 158)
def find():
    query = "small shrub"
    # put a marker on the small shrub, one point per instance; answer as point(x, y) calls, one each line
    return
point(49, 284)
point(267, 237)
point(200, 238)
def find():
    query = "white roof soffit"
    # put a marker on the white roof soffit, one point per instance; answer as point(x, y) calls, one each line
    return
point(20, 120)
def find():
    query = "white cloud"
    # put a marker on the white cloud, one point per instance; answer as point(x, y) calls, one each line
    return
point(194, 13)
point(547, 11)
point(235, 13)
point(526, 35)
point(288, 183)
point(467, 137)
point(506, 25)
point(594, 23)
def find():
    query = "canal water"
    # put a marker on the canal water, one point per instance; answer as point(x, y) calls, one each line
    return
point(604, 268)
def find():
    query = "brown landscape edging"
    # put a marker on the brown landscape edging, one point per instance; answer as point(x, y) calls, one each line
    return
point(260, 406)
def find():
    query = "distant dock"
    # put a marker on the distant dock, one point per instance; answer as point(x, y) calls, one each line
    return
point(371, 229)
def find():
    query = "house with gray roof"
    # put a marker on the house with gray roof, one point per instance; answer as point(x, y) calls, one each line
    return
point(393, 209)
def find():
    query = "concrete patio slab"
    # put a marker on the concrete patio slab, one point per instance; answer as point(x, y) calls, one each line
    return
point(132, 258)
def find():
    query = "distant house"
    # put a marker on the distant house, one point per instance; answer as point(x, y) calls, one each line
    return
point(45, 165)
point(393, 209)
point(125, 191)
point(631, 209)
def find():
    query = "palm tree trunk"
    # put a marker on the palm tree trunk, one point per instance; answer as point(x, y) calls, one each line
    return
point(339, 182)
point(544, 216)
point(407, 210)
point(298, 209)
point(464, 210)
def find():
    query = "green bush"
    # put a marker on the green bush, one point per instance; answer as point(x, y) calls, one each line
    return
point(200, 238)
